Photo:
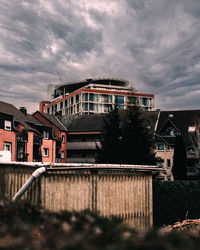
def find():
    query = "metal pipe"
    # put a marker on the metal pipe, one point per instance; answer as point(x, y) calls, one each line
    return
point(28, 183)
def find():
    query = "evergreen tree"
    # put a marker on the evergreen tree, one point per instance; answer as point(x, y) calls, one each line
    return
point(179, 169)
point(137, 139)
point(126, 142)
point(109, 151)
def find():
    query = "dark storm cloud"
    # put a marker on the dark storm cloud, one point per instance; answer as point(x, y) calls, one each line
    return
point(152, 43)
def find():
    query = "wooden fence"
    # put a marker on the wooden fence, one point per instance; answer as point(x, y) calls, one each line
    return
point(125, 192)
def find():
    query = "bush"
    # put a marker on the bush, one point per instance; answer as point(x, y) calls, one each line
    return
point(23, 226)
point(174, 201)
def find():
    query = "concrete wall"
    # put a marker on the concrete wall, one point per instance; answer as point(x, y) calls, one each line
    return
point(123, 193)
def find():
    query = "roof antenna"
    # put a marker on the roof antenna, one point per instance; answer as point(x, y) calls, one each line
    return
point(60, 79)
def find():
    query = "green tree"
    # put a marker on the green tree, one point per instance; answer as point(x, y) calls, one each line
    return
point(128, 141)
point(179, 169)
point(110, 150)
point(137, 139)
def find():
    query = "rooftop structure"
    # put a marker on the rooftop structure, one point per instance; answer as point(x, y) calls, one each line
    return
point(93, 96)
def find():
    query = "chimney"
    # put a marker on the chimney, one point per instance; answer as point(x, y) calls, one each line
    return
point(23, 110)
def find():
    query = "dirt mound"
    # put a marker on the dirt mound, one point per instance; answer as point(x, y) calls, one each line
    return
point(190, 225)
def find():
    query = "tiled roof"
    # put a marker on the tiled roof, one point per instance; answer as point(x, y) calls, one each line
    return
point(86, 123)
point(181, 119)
point(10, 109)
point(53, 120)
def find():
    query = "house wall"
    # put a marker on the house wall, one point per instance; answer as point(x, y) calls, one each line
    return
point(50, 144)
point(9, 137)
point(30, 146)
point(167, 155)
point(57, 134)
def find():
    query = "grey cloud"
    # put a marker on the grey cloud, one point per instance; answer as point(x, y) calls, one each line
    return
point(152, 43)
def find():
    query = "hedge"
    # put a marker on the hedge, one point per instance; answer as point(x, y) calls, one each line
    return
point(175, 201)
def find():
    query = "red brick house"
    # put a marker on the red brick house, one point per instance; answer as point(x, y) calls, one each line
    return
point(25, 138)
point(59, 134)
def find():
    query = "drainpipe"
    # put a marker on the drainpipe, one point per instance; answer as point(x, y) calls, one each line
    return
point(28, 183)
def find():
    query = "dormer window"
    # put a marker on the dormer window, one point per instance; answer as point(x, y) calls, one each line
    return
point(191, 129)
point(7, 125)
point(46, 134)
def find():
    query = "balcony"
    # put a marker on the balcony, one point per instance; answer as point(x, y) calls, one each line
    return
point(37, 158)
point(37, 140)
point(22, 157)
point(82, 145)
point(22, 137)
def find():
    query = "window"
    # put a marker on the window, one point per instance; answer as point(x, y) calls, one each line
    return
point(144, 101)
point(161, 147)
point(61, 105)
point(72, 100)
point(46, 134)
point(48, 110)
point(62, 155)
point(7, 146)
point(45, 152)
point(65, 103)
point(91, 96)
point(77, 98)
point(63, 139)
point(191, 129)
point(85, 96)
point(119, 99)
point(7, 125)
point(168, 147)
point(85, 106)
point(161, 163)
point(55, 108)
point(168, 163)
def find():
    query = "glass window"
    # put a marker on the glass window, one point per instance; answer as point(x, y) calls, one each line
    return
point(77, 108)
point(85, 97)
point(62, 155)
point(7, 146)
point(65, 103)
point(91, 97)
point(144, 101)
point(119, 99)
point(160, 147)
point(63, 139)
point(72, 100)
point(7, 125)
point(77, 98)
point(161, 163)
point(96, 97)
point(45, 152)
point(85, 106)
point(48, 110)
point(92, 106)
point(168, 163)
point(46, 134)
point(55, 108)
point(61, 105)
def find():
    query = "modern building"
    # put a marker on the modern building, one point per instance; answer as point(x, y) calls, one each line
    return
point(94, 96)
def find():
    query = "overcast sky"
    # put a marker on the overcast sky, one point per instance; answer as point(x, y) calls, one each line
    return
point(154, 44)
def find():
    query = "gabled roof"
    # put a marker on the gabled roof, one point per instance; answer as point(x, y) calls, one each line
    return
point(10, 109)
point(53, 120)
point(181, 119)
